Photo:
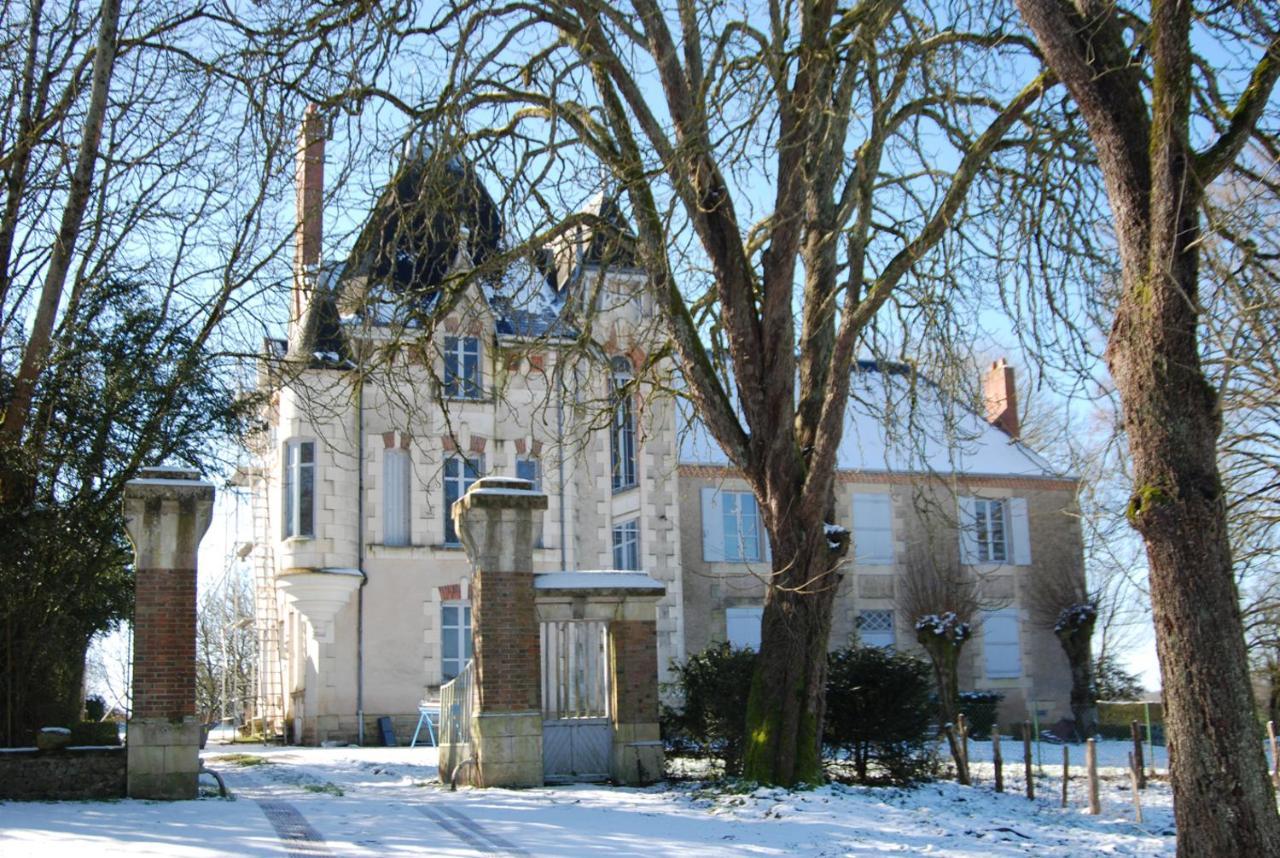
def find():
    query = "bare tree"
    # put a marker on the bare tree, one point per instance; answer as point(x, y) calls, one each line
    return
point(786, 171)
point(1132, 76)
point(145, 152)
point(226, 650)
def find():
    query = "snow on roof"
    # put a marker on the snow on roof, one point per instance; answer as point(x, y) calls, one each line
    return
point(596, 579)
point(896, 426)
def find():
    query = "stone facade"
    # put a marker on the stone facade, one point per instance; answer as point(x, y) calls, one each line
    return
point(923, 513)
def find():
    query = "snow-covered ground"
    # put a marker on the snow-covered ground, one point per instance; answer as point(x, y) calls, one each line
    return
point(385, 801)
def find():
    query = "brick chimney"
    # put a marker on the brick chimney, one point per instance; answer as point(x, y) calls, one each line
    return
point(310, 223)
point(1001, 398)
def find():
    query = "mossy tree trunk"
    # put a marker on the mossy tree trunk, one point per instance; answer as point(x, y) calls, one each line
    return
point(1140, 127)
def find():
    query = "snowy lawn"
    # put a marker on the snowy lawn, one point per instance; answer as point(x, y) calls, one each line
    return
point(385, 801)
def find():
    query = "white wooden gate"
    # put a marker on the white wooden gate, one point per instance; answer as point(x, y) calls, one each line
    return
point(576, 732)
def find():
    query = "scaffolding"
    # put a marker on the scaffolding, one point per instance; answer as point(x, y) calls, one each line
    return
point(269, 704)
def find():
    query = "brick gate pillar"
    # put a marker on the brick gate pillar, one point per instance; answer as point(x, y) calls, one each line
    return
point(498, 520)
point(637, 753)
point(167, 511)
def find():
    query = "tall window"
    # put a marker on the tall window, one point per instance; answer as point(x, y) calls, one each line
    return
point(741, 522)
point(527, 469)
point(462, 368)
point(626, 545)
point(1000, 644)
point(623, 431)
point(299, 488)
point(395, 497)
point(872, 529)
point(989, 523)
point(459, 474)
point(455, 638)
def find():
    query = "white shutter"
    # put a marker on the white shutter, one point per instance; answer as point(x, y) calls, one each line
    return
point(968, 532)
point(1021, 534)
point(395, 497)
point(742, 627)
point(712, 526)
point(1000, 644)
point(872, 529)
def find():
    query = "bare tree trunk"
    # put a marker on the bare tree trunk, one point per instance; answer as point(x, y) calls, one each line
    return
point(1223, 800)
point(788, 692)
point(37, 349)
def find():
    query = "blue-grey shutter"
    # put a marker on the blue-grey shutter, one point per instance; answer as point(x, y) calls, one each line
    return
point(712, 526)
point(395, 497)
point(873, 529)
point(968, 532)
point(1021, 531)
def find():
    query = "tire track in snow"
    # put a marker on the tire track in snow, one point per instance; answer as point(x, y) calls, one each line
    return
point(470, 832)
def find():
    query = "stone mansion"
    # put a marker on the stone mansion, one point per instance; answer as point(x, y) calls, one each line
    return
point(394, 392)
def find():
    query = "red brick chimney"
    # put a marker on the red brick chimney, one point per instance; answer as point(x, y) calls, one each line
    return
point(1001, 398)
point(310, 224)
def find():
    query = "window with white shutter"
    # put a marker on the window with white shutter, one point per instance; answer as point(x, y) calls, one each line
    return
point(872, 529)
point(1001, 648)
point(994, 531)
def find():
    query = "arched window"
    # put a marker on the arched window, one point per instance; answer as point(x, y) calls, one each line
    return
point(622, 434)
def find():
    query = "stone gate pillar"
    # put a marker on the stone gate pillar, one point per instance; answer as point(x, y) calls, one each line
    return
point(498, 520)
point(167, 511)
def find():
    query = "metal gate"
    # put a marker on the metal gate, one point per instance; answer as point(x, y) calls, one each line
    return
point(576, 732)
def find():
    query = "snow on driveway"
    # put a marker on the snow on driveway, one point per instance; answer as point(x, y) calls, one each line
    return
point(385, 801)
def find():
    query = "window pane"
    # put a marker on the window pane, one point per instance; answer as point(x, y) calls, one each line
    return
point(306, 500)
point(308, 450)
point(449, 616)
point(450, 644)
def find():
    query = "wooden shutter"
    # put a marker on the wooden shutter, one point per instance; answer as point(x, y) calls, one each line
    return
point(968, 532)
point(1020, 531)
point(712, 526)
point(742, 627)
point(1000, 643)
point(872, 529)
point(395, 497)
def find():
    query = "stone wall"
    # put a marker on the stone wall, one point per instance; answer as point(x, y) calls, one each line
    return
point(72, 774)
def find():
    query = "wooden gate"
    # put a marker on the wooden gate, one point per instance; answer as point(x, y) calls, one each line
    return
point(576, 731)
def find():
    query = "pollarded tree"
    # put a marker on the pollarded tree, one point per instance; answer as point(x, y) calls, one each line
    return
point(787, 170)
point(1134, 75)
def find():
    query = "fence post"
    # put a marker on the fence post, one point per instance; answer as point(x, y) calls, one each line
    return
point(1066, 772)
point(1026, 759)
point(962, 725)
point(1133, 783)
point(1091, 765)
point(997, 758)
point(962, 773)
point(1136, 760)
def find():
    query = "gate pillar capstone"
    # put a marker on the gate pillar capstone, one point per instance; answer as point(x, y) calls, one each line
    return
point(167, 511)
point(497, 521)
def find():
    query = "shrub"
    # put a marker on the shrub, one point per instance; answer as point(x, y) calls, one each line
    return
point(95, 708)
point(979, 708)
point(95, 733)
point(714, 685)
point(880, 710)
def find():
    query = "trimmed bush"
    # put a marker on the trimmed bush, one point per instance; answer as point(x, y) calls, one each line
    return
point(979, 708)
point(95, 733)
point(714, 685)
point(880, 714)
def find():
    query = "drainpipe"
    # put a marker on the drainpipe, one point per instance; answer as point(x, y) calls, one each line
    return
point(364, 578)
point(564, 549)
